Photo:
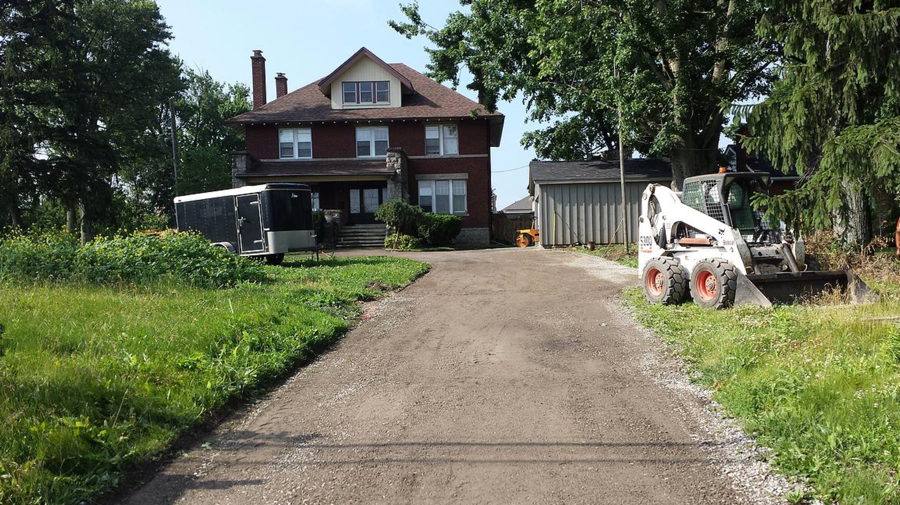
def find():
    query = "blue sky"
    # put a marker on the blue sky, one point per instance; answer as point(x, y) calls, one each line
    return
point(308, 39)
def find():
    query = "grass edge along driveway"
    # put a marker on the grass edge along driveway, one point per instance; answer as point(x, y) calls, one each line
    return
point(95, 380)
point(820, 385)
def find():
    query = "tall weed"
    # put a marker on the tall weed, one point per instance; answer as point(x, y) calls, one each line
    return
point(133, 259)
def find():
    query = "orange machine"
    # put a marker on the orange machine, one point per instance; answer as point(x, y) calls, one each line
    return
point(528, 237)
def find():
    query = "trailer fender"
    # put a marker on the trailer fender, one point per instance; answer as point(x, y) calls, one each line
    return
point(228, 246)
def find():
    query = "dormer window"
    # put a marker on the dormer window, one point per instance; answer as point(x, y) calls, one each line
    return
point(367, 92)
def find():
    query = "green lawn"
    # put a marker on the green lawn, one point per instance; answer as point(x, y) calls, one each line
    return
point(818, 384)
point(95, 380)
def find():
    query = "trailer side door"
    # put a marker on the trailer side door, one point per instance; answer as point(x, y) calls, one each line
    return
point(249, 222)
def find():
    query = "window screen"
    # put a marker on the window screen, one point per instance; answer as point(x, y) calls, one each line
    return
point(459, 196)
point(365, 92)
point(442, 197)
point(425, 195)
point(451, 139)
point(432, 140)
point(304, 143)
point(383, 91)
point(286, 143)
point(363, 142)
point(349, 92)
point(381, 141)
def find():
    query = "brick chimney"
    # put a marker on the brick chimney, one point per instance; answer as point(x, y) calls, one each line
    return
point(259, 79)
point(280, 85)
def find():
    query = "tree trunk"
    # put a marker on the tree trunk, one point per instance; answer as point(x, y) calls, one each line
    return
point(16, 214)
point(71, 218)
point(854, 226)
point(87, 231)
point(688, 162)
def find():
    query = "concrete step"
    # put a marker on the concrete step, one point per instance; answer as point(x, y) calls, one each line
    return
point(362, 235)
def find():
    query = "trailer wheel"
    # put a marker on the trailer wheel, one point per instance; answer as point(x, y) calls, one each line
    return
point(664, 281)
point(713, 284)
point(275, 259)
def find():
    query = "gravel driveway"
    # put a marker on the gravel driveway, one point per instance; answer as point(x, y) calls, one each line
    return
point(502, 376)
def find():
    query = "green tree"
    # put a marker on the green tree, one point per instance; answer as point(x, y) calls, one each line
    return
point(90, 78)
point(674, 67)
point(834, 116)
point(205, 141)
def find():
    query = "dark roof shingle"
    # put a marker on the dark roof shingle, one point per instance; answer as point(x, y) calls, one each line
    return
point(430, 101)
point(519, 206)
point(573, 172)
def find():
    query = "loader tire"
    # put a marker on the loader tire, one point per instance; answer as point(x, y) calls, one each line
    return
point(664, 282)
point(713, 284)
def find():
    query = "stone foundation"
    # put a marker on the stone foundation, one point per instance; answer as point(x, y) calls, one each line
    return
point(474, 237)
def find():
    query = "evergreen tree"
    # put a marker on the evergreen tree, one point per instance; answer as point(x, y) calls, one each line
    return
point(834, 116)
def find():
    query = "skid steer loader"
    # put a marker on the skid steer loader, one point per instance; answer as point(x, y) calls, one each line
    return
point(709, 240)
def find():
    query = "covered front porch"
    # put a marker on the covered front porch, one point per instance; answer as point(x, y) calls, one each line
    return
point(353, 188)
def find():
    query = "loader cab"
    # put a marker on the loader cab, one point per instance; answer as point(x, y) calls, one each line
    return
point(729, 198)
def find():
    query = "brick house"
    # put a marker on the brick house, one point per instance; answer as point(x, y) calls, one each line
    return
point(370, 132)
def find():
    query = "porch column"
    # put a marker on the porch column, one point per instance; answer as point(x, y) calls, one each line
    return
point(397, 184)
point(241, 163)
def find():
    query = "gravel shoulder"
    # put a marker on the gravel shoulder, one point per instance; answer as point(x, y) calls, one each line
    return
point(502, 376)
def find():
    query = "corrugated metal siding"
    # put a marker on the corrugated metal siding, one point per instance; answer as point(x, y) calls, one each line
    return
point(581, 213)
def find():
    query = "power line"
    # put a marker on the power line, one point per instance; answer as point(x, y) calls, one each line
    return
point(509, 170)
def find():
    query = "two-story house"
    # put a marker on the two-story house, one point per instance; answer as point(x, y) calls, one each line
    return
point(370, 132)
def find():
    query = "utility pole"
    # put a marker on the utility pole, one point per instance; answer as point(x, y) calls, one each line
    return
point(621, 162)
point(174, 143)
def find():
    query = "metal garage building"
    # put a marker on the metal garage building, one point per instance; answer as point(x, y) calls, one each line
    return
point(580, 201)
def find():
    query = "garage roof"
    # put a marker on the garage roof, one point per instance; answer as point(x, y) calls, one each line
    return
point(598, 171)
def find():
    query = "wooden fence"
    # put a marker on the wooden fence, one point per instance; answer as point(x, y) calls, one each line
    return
point(506, 225)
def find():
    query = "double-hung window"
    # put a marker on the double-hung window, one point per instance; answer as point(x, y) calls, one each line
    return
point(295, 143)
point(442, 139)
point(367, 92)
point(443, 196)
point(371, 141)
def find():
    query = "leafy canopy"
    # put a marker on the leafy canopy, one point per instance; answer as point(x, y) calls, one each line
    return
point(674, 67)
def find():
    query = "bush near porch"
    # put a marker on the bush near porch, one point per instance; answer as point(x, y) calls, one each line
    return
point(411, 226)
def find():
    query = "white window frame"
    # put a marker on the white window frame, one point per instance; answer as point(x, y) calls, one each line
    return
point(370, 130)
point(295, 133)
point(315, 200)
point(357, 100)
point(454, 183)
point(442, 138)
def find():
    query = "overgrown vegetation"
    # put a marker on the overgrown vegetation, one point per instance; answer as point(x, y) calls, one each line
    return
point(411, 227)
point(819, 384)
point(614, 252)
point(400, 242)
point(135, 259)
point(96, 378)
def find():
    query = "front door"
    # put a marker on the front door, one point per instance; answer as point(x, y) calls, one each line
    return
point(363, 204)
point(249, 224)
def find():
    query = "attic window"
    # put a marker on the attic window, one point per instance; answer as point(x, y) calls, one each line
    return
point(367, 92)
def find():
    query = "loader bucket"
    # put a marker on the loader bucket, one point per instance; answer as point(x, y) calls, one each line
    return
point(789, 287)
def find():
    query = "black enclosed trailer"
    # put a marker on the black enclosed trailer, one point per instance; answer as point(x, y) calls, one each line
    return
point(262, 221)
